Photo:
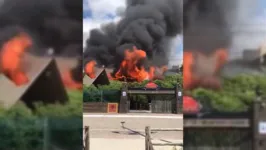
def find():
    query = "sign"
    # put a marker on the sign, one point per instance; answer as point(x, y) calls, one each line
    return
point(124, 93)
point(262, 127)
point(112, 108)
point(179, 94)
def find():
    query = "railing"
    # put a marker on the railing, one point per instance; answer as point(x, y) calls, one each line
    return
point(86, 139)
point(149, 145)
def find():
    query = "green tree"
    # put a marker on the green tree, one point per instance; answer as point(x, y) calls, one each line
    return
point(237, 93)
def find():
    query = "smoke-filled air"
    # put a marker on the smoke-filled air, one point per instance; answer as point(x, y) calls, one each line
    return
point(34, 26)
point(207, 37)
point(138, 46)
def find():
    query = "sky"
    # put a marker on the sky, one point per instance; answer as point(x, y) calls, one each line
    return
point(251, 32)
point(96, 12)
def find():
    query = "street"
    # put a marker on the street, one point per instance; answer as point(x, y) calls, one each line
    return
point(127, 131)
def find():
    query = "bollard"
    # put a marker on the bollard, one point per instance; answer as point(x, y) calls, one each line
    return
point(147, 138)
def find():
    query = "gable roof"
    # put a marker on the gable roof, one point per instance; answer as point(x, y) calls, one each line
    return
point(100, 79)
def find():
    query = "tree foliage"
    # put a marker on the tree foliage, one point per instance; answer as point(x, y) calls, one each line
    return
point(236, 94)
point(111, 92)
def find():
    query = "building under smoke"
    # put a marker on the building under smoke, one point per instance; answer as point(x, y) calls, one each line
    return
point(147, 25)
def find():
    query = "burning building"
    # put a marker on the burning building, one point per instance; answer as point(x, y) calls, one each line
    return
point(33, 26)
point(207, 38)
point(138, 46)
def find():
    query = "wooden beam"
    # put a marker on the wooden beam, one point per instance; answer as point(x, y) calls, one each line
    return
point(217, 123)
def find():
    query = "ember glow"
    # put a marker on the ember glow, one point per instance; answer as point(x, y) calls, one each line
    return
point(203, 70)
point(11, 54)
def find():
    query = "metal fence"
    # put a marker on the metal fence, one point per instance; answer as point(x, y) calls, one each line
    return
point(230, 131)
point(149, 144)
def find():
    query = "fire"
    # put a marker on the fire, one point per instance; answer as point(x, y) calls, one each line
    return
point(201, 70)
point(69, 82)
point(11, 54)
point(129, 68)
point(90, 69)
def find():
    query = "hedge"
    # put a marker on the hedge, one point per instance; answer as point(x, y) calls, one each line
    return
point(236, 95)
point(52, 126)
point(111, 92)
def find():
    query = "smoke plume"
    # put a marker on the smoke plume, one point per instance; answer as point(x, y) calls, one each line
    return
point(209, 24)
point(146, 24)
point(208, 35)
point(55, 24)
point(205, 25)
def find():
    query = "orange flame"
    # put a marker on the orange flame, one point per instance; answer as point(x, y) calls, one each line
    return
point(90, 69)
point(70, 83)
point(129, 68)
point(11, 53)
point(202, 71)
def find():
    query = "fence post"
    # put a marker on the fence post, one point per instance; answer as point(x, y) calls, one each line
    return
point(147, 138)
point(46, 134)
point(179, 100)
point(123, 104)
point(87, 138)
point(259, 124)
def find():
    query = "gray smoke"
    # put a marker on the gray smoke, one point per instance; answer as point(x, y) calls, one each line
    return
point(205, 25)
point(146, 24)
point(210, 24)
point(213, 24)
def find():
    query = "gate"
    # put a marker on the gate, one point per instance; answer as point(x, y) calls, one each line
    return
point(161, 106)
point(173, 103)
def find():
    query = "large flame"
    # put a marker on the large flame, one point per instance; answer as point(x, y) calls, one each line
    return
point(131, 68)
point(11, 54)
point(201, 70)
point(90, 69)
point(69, 82)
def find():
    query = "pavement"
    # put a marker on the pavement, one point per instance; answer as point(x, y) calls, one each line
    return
point(127, 131)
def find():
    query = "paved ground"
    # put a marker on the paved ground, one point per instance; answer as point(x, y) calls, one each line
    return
point(108, 129)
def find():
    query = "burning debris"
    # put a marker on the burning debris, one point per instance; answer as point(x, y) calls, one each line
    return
point(34, 26)
point(138, 45)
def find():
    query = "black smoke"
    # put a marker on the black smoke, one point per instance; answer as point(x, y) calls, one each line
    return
point(206, 24)
point(55, 24)
point(147, 24)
